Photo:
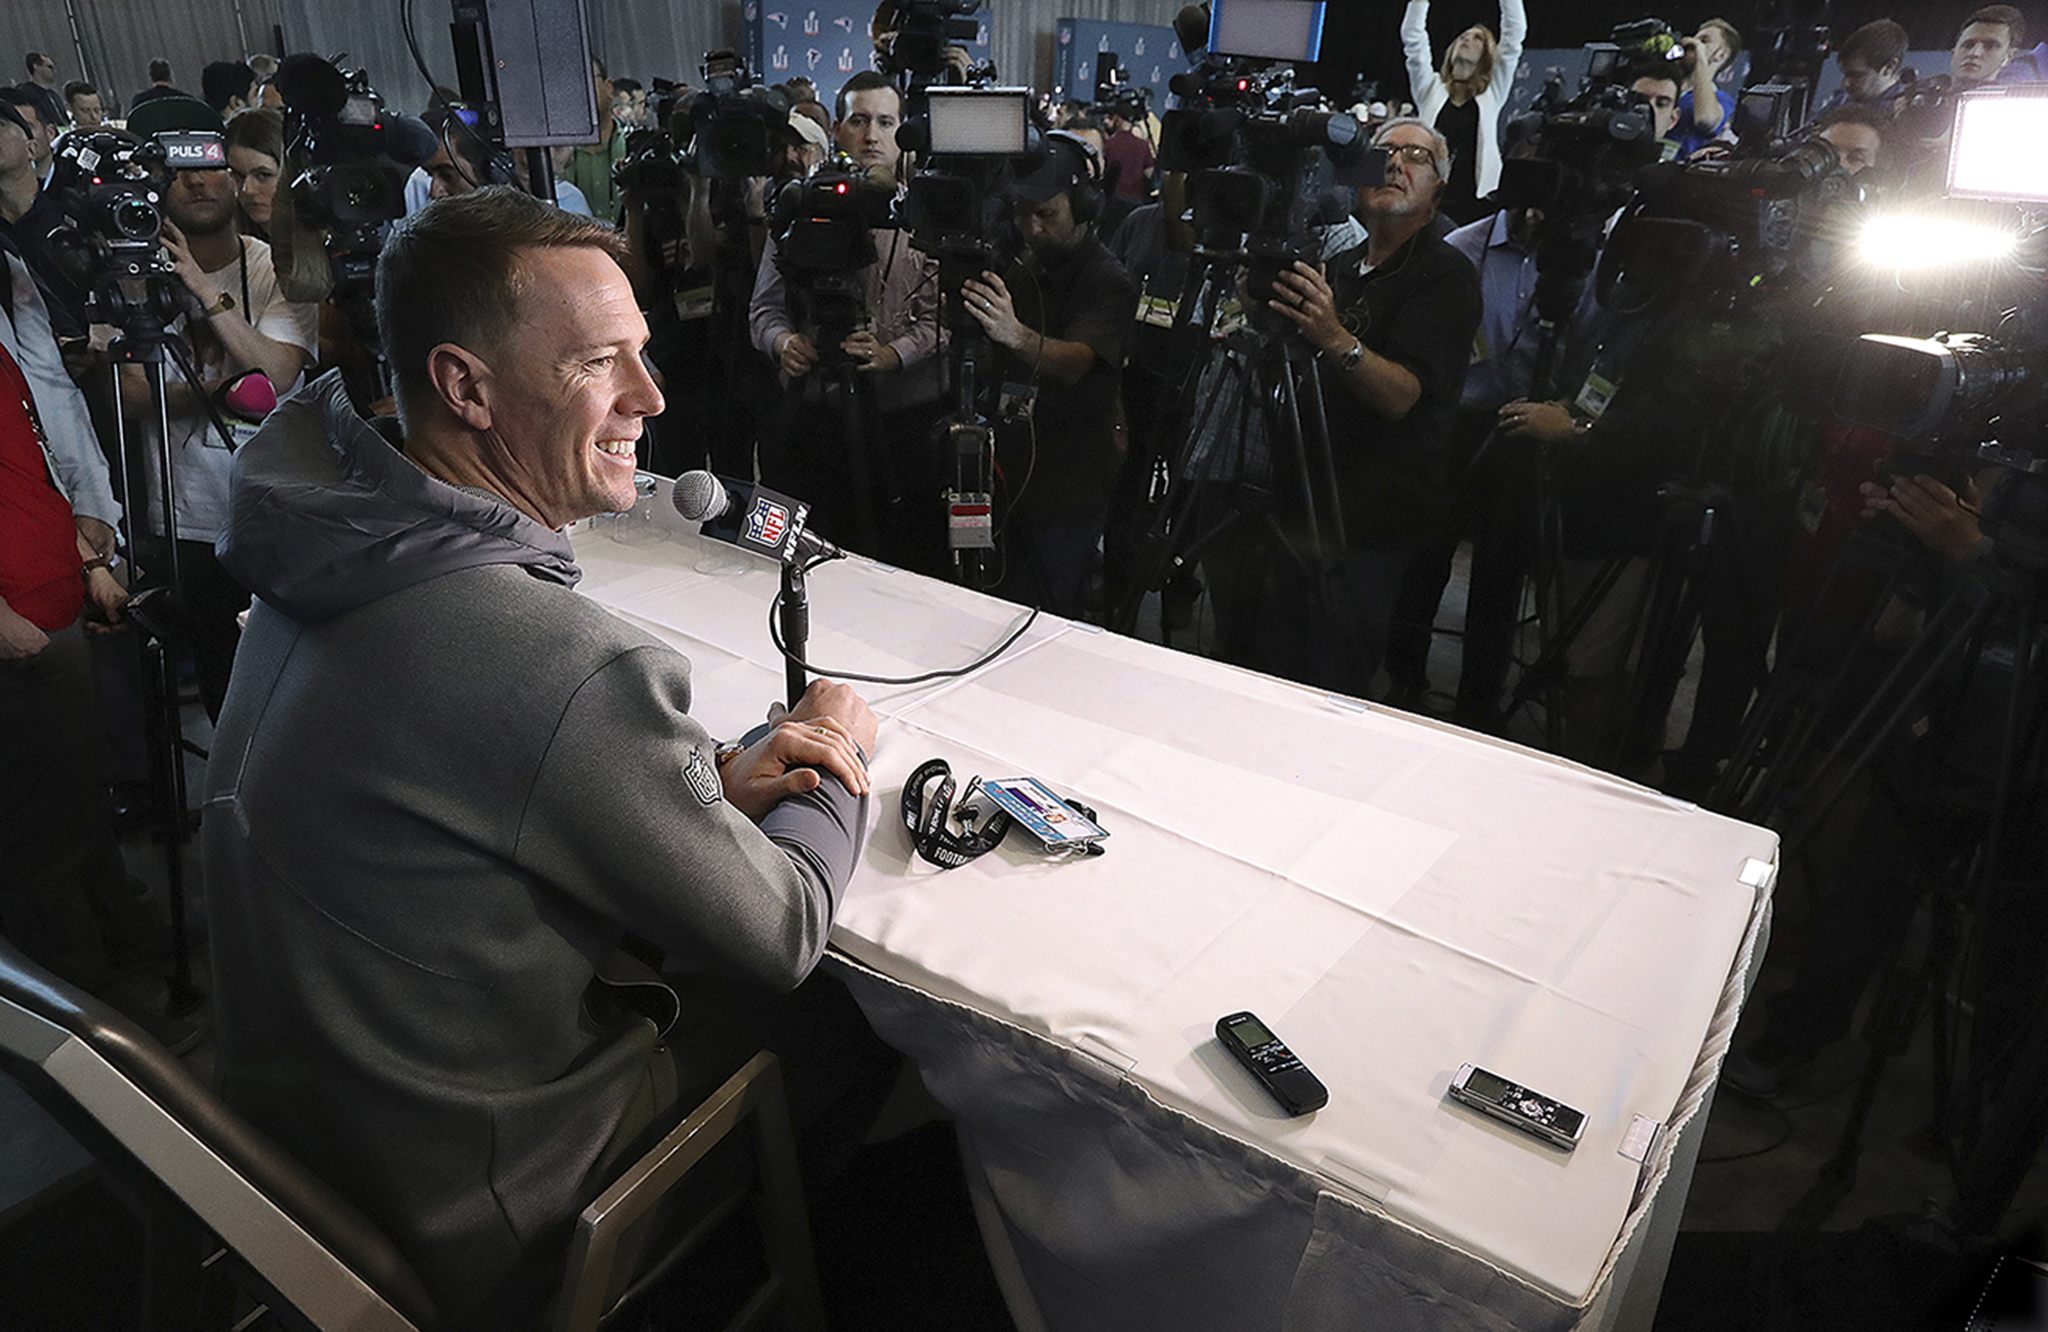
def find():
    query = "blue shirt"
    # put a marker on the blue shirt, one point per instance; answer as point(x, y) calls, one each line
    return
point(1504, 352)
point(1691, 136)
point(567, 197)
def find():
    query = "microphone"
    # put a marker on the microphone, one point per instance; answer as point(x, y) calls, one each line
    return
point(311, 86)
point(764, 521)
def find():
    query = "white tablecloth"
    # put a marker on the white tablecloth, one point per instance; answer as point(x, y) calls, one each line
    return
point(1393, 897)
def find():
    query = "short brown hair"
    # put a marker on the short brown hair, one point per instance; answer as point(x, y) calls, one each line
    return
point(1728, 35)
point(1877, 43)
point(450, 273)
point(260, 130)
point(2015, 22)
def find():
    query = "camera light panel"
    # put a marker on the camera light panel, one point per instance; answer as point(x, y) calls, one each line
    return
point(983, 121)
point(1268, 29)
point(1996, 151)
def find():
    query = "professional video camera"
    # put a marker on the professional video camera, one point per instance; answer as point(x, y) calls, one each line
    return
point(824, 235)
point(1731, 228)
point(922, 31)
point(1269, 164)
point(109, 186)
point(726, 131)
point(655, 165)
point(346, 160)
point(1583, 150)
point(1787, 53)
point(973, 141)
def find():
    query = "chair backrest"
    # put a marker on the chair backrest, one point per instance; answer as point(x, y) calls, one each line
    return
point(129, 1099)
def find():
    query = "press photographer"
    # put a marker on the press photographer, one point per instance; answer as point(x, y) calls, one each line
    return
point(848, 311)
point(1060, 317)
point(237, 321)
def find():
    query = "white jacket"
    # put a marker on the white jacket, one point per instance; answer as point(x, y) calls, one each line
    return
point(1430, 93)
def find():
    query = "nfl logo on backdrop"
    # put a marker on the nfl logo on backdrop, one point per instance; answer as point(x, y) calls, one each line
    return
point(768, 523)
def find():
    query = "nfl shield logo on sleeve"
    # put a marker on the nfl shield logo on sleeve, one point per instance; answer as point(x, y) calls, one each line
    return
point(702, 775)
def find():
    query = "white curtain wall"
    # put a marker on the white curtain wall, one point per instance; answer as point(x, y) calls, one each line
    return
point(111, 42)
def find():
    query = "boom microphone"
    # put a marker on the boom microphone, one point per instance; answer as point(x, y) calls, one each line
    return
point(311, 86)
point(765, 521)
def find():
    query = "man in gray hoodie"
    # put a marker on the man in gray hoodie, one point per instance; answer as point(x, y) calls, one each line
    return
point(446, 788)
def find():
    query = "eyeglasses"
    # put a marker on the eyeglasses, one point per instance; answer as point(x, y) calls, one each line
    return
point(1415, 154)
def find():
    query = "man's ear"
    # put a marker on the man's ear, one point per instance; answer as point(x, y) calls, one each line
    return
point(461, 381)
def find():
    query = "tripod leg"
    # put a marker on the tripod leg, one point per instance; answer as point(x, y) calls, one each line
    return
point(1811, 817)
point(1155, 553)
point(1782, 698)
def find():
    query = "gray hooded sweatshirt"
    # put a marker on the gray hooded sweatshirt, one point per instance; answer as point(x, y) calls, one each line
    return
point(445, 786)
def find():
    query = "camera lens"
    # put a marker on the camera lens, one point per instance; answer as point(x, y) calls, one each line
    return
point(134, 218)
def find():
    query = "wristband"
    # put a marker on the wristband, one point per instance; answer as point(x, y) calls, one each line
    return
point(96, 562)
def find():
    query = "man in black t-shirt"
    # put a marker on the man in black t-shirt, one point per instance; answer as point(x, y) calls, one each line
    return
point(1059, 318)
point(1393, 320)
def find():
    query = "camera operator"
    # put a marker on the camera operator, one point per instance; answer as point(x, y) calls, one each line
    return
point(1705, 109)
point(28, 216)
point(42, 130)
point(1872, 61)
point(1922, 813)
point(806, 449)
point(1061, 318)
point(1393, 323)
point(238, 321)
point(1115, 207)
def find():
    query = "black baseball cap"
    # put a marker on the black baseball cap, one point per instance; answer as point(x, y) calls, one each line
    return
point(1063, 164)
point(166, 115)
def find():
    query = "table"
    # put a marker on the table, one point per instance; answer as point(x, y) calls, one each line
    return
point(1393, 896)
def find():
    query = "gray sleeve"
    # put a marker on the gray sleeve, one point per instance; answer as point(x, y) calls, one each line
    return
point(768, 311)
point(626, 817)
point(74, 449)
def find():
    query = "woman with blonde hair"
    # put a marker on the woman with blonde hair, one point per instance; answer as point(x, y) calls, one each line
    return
point(1463, 98)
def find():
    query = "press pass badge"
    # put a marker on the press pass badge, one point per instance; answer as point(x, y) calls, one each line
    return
point(1596, 395)
point(1044, 815)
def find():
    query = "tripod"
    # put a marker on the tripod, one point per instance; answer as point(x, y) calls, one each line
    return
point(1994, 1118)
point(1270, 371)
point(145, 342)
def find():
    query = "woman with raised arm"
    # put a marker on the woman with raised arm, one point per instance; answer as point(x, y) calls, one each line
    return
point(1463, 98)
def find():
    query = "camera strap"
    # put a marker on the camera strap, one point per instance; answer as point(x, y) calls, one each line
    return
point(929, 820)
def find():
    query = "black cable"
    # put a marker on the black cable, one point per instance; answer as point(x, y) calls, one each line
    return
point(1785, 1136)
point(775, 637)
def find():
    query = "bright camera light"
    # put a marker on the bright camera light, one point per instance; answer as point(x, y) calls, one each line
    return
point(1997, 151)
point(1909, 241)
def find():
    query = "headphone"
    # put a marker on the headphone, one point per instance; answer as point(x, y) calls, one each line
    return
point(1087, 197)
point(930, 822)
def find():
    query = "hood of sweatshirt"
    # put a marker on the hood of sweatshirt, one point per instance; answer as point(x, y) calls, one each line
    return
point(326, 516)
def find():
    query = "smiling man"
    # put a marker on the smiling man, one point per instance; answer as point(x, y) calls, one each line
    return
point(446, 788)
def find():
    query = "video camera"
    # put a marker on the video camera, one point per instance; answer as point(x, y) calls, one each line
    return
point(1269, 165)
point(922, 31)
point(109, 186)
point(974, 141)
point(346, 160)
point(727, 130)
point(824, 235)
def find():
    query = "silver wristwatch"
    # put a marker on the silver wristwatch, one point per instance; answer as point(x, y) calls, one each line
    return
point(1351, 358)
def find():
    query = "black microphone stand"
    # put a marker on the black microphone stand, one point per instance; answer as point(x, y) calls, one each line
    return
point(795, 617)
